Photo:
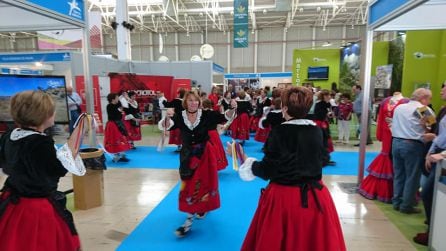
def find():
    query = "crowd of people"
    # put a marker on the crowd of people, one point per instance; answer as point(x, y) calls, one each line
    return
point(294, 125)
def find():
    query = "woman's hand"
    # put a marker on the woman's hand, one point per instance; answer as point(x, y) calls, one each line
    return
point(233, 104)
point(229, 149)
point(170, 112)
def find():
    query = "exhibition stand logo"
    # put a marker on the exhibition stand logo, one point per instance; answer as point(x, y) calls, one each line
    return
point(420, 55)
point(241, 33)
point(75, 11)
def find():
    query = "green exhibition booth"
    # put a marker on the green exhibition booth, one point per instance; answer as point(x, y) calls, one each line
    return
point(424, 57)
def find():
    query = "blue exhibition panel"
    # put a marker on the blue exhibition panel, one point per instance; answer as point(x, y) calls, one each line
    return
point(382, 8)
point(36, 57)
point(73, 9)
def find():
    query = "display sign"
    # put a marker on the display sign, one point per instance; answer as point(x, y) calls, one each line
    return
point(383, 76)
point(53, 85)
point(241, 24)
point(71, 8)
point(259, 75)
point(38, 57)
point(21, 71)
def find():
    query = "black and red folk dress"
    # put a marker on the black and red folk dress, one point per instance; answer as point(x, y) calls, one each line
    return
point(295, 210)
point(133, 127)
point(241, 124)
point(261, 132)
point(33, 214)
point(198, 161)
point(259, 105)
point(379, 183)
point(116, 137)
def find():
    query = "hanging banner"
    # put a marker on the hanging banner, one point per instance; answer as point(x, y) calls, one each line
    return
point(241, 30)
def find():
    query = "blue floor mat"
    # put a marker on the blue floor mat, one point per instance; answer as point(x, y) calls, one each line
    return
point(149, 157)
point(222, 230)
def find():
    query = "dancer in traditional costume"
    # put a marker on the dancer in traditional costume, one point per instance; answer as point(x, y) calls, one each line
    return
point(33, 214)
point(344, 114)
point(263, 106)
point(215, 140)
point(198, 161)
point(295, 210)
point(379, 183)
point(240, 125)
point(322, 110)
point(116, 135)
point(214, 97)
point(177, 104)
point(132, 119)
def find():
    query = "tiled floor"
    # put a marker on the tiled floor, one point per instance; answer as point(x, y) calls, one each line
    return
point(131, 194)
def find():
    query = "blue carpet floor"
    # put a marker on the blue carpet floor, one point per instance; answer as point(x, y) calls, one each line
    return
point(148, 157)
point(223, 229)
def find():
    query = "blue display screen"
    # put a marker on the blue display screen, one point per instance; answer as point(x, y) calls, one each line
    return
point(318, 73)
point(53, 85)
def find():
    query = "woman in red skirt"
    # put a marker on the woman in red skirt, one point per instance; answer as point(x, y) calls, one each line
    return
point(322, 111)
point(132, 119)
point(295, 211)
point(379, 183)
point(198, 161)
point(262, 102)
point(240, 125)
point(33, 214)
point(115, 135)
point(215, 140)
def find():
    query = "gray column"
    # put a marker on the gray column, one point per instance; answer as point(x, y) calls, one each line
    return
point(122, 33)
point(228, 34)
point(284, 49)
point(256, 49)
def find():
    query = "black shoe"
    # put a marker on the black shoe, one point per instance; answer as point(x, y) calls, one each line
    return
point(200, 216)
point(369, 143)
point(356, 144)
point(123, 159)
point(412, 210)
point(182, 231)
point(331, 163)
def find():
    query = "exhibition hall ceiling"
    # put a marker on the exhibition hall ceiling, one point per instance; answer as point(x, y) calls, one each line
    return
point(217, 15)
point(188, 16)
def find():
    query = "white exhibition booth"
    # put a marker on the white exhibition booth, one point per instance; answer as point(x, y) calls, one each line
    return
point(402, 15)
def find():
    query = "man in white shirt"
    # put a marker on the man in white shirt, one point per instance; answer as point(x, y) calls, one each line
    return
point(74, 101)
point(408, 148)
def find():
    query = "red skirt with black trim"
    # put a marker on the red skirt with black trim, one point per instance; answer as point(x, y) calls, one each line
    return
point(133, 131)
point(175, 137)
point(281, 223)
point(325, 126)
point(220, 153)
point(114, 140)
point(379, 183)
point(240, 127)
point(34, 224)
point(199, 194)
point(254, 123)
point(262, 134)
